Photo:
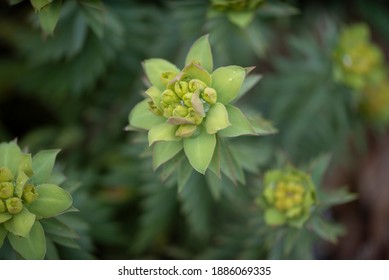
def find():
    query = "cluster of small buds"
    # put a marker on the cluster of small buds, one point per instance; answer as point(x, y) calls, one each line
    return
point(184, 102)
point(11, 199)
point(288, 195)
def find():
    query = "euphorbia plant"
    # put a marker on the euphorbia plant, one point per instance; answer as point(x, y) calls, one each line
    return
point(27, 195)
point(191, 110)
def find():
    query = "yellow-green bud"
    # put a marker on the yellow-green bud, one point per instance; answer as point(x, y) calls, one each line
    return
point(166, 77)
point(168, 111)
point(14, 205)
point(180, 111)
point(153, 108)
point(187, 99)
point(196, 84)
point(29, 193)
point(209, 95)
point(169, 97)
point(181, 88)
point(195, 117)
point(6, 190)
point(186, 130)
point(5, 174)
point(3, 208)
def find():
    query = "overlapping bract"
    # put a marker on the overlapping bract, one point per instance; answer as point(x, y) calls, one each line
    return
point(288, 197)
point(190, 108)
point(26, 196)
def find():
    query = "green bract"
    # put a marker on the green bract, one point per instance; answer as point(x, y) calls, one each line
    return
point(288, 197)
point(26, 196)
point(357, 61)
point(189, 109)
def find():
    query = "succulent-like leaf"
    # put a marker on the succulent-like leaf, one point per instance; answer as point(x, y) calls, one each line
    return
point(142, 117)
point(155, 67)
point(201, 52)
point(42, 165)
point(199, 150)
point(274, 217)
point(196, 71)
point(217, 118)
point(21, 223)
point(163, 132)
point(164, 151)
point(5, 217)
point(49, 16)
point(21, 180)
point(227, 82)
point(32, 247)
point(52, 201)
point(239, 123)
point(10, 156)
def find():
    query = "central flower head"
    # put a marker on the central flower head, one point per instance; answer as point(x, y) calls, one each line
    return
point(185, 109)
point(186, 99)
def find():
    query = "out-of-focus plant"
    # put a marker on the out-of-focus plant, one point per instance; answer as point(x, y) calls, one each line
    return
point(190, 109)
point(28, 196)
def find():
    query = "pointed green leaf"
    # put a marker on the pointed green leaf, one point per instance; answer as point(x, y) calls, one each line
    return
point(42, 165)
point(229, 165)
point(5, 217)
point(196, 71)
point(55, 227)
point(199, 150)
point(239, 124)
point(274, 217)
point(155, 67)
point(163, 132)
point(185, 171)
point(326, 230)
point(201, 53)
point(52, 201)
point(49, 16)
point(10, 156)
point(214, 184)
point(241, 19)
point(217, 118)
point(32, 247)
point(21, 223)
point(214, 166)
point(3, 234)
point(164, 151)
point(141, 117)
point(261, 126)
point(227, 82)
point(39, 4)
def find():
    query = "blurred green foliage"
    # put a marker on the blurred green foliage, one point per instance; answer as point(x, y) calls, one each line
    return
point(69, 78)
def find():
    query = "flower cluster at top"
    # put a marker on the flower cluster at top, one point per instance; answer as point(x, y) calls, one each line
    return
point(288, 197)
point(185, 109)
point(357, 61)
point(359, 64)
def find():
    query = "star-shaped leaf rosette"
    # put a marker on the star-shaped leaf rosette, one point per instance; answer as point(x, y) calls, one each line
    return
point(27, 195)
point(190, 110)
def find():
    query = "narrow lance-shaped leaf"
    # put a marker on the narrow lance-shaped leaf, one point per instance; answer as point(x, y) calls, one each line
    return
point(239, 124)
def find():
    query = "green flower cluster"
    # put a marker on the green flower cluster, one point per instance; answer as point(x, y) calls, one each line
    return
point(187, 109)
point(288, 197)
point(26, 197)
point(357, 61)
